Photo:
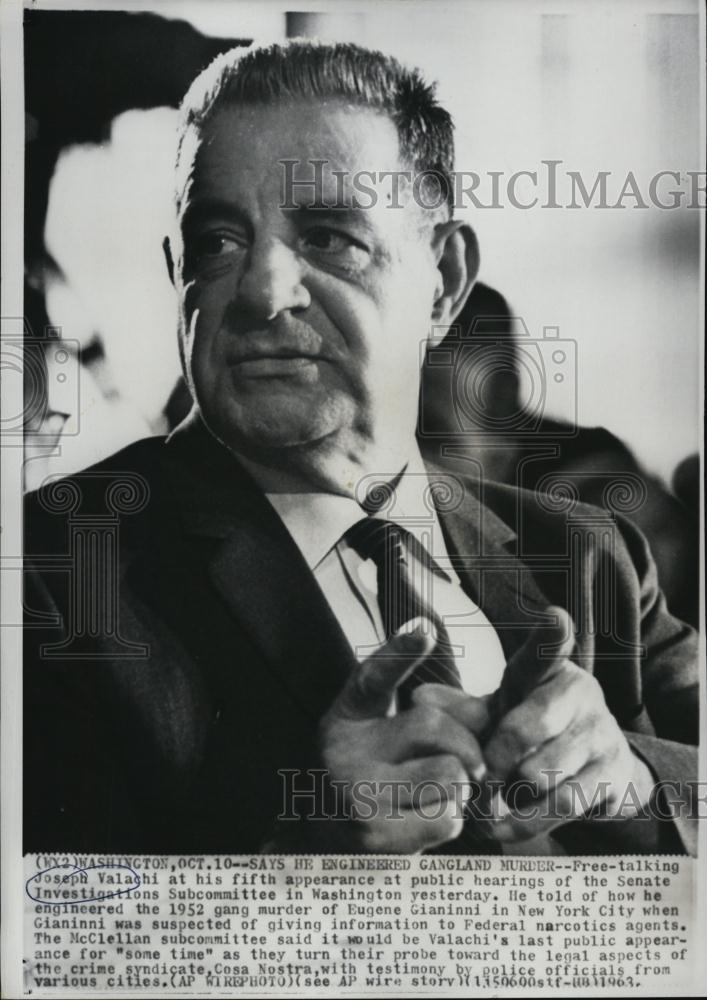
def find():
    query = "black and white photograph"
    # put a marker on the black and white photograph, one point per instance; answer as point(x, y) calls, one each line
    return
point(352, 496)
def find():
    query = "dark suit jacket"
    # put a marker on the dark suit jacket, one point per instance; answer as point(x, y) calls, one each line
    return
point(179, 652)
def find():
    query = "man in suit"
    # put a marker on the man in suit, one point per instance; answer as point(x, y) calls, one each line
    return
point(279, 629)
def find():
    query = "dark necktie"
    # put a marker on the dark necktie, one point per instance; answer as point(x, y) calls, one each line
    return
point(400, 600)
point(389, 546)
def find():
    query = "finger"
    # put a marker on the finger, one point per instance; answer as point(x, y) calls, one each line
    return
point(424, 781)
point(564, 757)
point(423, 731)
point(471, 712)
point(543, 715)
point(369, 690)
point(536, 661)
point(415, 830)
point(567, 802)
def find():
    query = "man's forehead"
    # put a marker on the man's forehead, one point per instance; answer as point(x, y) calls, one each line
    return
point(327, 141)
point(303, 156)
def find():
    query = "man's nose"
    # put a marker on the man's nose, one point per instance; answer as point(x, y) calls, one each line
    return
point(272, 281)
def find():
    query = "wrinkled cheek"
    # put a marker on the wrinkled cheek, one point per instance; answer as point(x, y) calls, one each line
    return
point(191, 295)
point(196, 320)
point(204, 306)
point(188, 315)
point(189, 342)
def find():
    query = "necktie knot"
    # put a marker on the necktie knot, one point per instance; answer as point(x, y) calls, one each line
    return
point(381, 540)
point(400, 599)
point(375, 538)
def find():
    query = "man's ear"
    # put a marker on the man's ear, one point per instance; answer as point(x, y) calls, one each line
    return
point(457, 250)
point(169, 260)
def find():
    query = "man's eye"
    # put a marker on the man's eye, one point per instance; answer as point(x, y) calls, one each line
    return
point(213, 245)
point(332, 242)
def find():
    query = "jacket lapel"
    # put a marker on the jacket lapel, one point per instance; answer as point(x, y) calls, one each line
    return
point(479, 545)
point(270, 589)
point(258, 570)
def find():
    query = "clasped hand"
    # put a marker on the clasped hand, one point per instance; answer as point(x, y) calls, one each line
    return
point(543, 751)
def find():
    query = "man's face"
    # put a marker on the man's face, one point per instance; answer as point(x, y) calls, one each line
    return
point(302, 326)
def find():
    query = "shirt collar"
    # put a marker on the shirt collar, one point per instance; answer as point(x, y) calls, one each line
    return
point(317, 521)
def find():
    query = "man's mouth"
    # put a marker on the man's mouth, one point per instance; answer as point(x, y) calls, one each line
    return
point(277, 363)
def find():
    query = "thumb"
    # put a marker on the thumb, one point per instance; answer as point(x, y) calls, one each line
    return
point(369, 690)
point(536, 661)
point(472, 712)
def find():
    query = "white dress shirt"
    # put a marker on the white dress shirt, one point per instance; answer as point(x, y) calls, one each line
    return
point(317, 522)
